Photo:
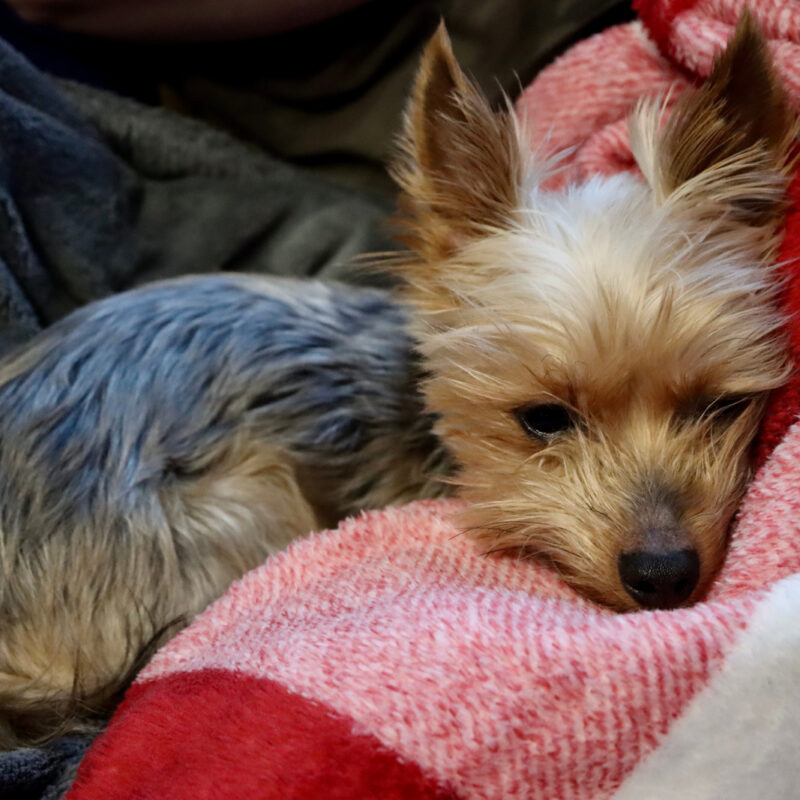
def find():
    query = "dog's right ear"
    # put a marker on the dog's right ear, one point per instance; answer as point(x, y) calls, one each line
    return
point(725, 154)
point(461, 167)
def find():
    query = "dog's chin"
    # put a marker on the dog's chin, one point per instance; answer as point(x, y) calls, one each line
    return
point(602, 588)
point(605, 588)
point(596, 576)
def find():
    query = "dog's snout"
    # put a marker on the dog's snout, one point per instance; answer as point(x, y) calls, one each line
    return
point(660, 579)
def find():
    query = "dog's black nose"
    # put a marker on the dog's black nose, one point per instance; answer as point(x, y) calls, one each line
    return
point(660, 580)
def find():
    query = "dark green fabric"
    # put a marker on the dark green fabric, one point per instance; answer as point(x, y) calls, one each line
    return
point(330, 97)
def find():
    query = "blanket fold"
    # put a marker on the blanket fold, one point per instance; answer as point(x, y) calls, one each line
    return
point(391, 659)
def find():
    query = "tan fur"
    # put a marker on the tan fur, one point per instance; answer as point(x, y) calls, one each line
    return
point(635, 306)
point(450, 133)
point(68, 658)
point(725, 152)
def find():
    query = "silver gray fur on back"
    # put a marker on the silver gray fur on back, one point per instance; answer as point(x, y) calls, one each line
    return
point(156, 445)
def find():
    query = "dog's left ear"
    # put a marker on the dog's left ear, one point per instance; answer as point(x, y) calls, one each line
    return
point(726, 150)
point(461, 167)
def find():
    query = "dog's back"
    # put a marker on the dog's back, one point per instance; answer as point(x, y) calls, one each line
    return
point(156, 445)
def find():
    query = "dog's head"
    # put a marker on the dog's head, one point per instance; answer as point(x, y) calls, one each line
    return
point(600, 356)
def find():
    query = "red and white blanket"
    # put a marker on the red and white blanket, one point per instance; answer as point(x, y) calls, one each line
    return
point(389, 659)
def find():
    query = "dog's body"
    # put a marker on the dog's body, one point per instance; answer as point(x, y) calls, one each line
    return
point(159, 444)
point(597, 360)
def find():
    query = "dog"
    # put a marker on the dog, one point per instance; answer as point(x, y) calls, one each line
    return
point(586, 367)
point(599, 357)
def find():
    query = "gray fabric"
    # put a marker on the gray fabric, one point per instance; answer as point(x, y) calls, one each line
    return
point(41, 773)
point(210, 202)
point(87, 210)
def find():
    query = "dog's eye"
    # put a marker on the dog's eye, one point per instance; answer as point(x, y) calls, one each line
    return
point(545, 421)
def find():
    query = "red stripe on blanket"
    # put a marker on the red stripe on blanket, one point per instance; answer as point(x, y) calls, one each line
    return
point(658, 16)
point(218, 735)
point(784, 403)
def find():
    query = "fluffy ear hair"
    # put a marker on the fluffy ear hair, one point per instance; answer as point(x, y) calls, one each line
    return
point(726, 149)
point(461, 166)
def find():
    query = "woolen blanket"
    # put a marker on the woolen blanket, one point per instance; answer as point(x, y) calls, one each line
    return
point(390, 659)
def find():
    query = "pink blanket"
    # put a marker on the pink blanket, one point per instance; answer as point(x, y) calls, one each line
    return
point(390, 659)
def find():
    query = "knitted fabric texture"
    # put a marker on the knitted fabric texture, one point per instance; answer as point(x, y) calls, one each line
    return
point(390, 659)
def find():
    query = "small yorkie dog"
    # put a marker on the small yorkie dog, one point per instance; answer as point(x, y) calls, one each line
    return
point(599, 357)
point(594, 363)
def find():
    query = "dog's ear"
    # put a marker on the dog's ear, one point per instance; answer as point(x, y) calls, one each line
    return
point(726, 149)
point(461, 167)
